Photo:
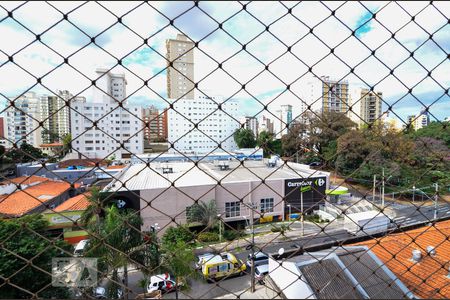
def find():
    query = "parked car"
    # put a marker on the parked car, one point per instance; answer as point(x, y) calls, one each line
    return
point(260, 259)
point(81, 247)
point(100, 293)
point(260, 273)
point(162, 282)
point(223, 265)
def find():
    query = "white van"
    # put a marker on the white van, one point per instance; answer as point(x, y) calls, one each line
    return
point(81, 247)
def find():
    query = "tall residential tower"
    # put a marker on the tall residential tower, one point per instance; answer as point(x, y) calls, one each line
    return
point(180, 76)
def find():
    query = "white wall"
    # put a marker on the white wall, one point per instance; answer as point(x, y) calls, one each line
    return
point(214, 125)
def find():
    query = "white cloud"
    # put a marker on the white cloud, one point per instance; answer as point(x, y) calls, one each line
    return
point(147, 22)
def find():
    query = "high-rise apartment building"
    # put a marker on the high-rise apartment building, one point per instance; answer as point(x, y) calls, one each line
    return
point(56, 116)
point(335, 95)
point(284, 120)
point(22, 121)
point(420, 121)
point(100, 127)
point(265, 124)
point(198, 126)
point(366, 106)
point(156, 131)
point(251, 123)
point(180, 76)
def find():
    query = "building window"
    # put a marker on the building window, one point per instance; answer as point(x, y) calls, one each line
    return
point(267, 205)
point(232, 209)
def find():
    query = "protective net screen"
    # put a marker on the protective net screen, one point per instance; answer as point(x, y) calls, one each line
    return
point(253, 150)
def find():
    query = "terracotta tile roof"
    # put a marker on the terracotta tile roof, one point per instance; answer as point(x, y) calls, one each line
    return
point(81, 162)
point(52, 145)
point(26, 180)
point(21, 202)
point(427, 278)
point(115, 167)
point(79, 202)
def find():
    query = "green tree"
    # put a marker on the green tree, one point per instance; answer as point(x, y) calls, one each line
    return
point(265, 141)
point(204, 212)
point(117, 241)
point(437, 130)
point(244, 138)
point(24, 153)
point(91, 216)
point(177, 259)
point(67, 143)
point(179, 233)
point(26, 240)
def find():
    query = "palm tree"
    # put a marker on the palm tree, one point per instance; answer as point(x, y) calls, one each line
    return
point(177, 260)
point(205, 213)
point(117, 242)
point(94, 210)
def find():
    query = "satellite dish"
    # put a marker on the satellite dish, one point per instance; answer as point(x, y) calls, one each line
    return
point(281, 251)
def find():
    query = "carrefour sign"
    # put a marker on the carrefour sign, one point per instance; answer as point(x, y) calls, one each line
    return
point(318, 182)
point(312, 190)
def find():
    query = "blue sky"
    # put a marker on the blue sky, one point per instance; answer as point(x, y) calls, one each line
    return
point(224, 45)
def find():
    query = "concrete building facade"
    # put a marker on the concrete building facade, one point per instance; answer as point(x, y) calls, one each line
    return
point(335, 95)
point(284, 120)
point(200, 126)
point(251, 123)
point(180, 76)
point(156, 131)
point(100, 127)
point(56, 116)
point(366, 106)
point(265, 124)
point(22, 121)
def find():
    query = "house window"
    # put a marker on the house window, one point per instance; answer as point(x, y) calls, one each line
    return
point(267, 205)
point(232, 209)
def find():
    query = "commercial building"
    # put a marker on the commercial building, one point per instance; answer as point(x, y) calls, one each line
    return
point(155, 124)
point(350, 272)
point(366, 106)
point(163, 192)
point(283, 120)
point(63, 218)
point(202, 125)
point(180, 71)
point(100, 127)
point(22, 121)
point(55, 115)
point(419, 258)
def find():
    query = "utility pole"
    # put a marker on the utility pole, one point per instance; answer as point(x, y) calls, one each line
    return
point(374, 187)
point(382, 191)
point(436, 200)
point(253, 251)
point(301, 207)
point(414, 192)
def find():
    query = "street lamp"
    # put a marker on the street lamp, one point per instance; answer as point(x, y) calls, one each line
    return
point(220, 227)
point(289, 211)
point(414, 192)
point(252, 273)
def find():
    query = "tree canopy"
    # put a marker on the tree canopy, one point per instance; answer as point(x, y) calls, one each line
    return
point(244, 138)
point(26, 239)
